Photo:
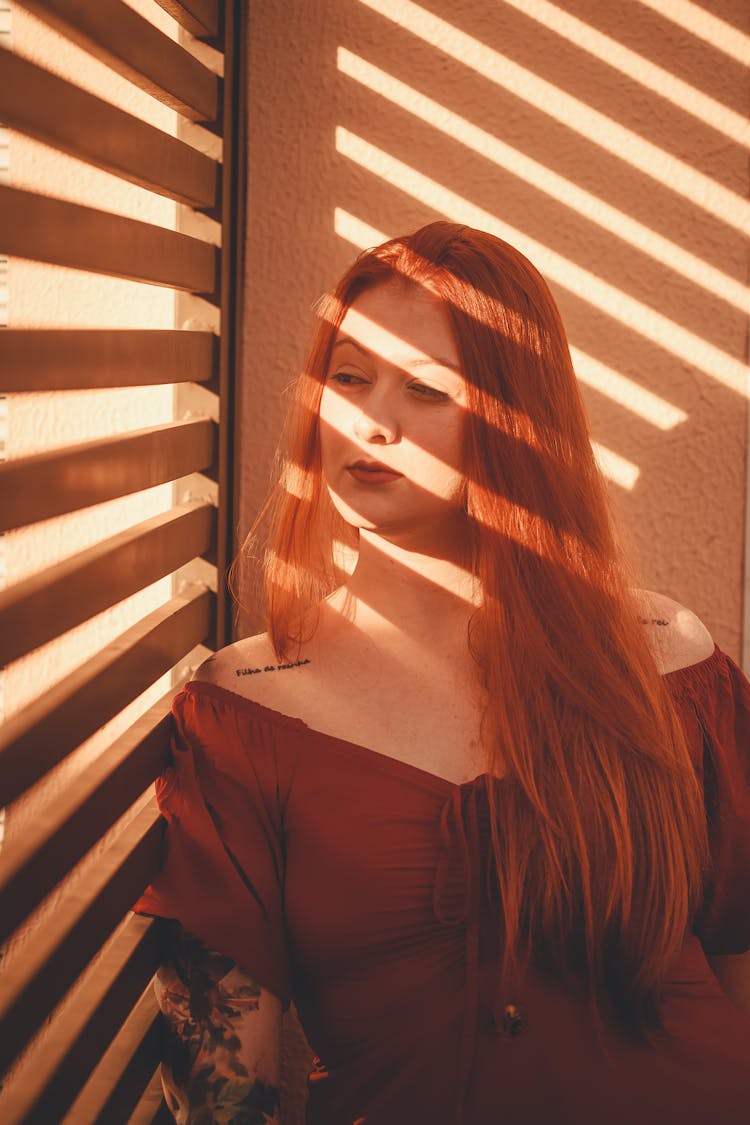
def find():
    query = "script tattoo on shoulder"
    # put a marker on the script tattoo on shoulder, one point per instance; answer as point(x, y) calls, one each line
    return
point(206, 1001)
point(653, 621)
point(270, 668)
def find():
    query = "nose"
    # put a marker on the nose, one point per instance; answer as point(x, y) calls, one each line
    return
point(376, 425)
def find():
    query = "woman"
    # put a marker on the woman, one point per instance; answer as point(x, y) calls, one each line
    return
point(454, 802)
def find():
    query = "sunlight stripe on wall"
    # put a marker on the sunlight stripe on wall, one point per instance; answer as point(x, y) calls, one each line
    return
point(626, 392)
point(641, 70)
point(593, 208)
point(614, 467)
point(360, 234)
point(571, 112)
point(712, 30)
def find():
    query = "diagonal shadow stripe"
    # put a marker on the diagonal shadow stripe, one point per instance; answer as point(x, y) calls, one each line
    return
point(544, 179)
point(596, 127)
point(652, 408)
point(704, 25)
point(634, 66)
point(654, 326)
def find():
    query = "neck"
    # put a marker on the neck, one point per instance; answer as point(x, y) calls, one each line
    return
point(405, 590)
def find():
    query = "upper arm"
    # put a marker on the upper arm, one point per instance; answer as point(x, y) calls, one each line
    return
point(678, 638)
point(223, 1034)
point(733, 974)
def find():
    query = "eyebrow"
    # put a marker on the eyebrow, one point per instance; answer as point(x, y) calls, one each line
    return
point(425, 361)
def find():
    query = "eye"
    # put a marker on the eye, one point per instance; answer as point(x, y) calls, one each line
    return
point(347, 379)
point(422, 390)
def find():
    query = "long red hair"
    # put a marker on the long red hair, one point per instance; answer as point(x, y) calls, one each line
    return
point(601, 852)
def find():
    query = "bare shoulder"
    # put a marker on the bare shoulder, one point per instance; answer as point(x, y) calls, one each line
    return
point(250, 667)
point(225, 667)
point(678, 638)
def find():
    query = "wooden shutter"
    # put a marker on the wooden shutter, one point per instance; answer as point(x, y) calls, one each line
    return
point(68, 880)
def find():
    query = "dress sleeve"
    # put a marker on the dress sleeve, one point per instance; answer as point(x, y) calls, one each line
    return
point(714, 699)
point(222, 871)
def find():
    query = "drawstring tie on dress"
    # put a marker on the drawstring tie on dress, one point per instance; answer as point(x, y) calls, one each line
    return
point(453, 826)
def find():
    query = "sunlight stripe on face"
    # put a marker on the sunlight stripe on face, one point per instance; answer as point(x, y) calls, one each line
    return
point(614, 467)
point(363, 329)
point(652, 408)
point(634, 66)
point(597, 128)
point(594, 209)
point(703, 25)
point(638, 317)
point(349, 414)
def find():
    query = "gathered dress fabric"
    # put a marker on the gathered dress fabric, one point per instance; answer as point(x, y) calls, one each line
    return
point(358, 886)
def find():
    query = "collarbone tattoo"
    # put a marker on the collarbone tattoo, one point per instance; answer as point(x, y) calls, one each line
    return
point(270, 668)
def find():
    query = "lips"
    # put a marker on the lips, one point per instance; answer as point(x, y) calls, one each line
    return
point(372, 472)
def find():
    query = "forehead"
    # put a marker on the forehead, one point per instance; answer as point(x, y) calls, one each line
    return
point(401, 324)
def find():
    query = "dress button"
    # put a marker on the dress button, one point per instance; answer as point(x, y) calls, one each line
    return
point(513, 1020)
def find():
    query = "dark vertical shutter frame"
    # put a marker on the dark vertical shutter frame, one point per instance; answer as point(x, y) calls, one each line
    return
point(230, 289)
point(95, 847)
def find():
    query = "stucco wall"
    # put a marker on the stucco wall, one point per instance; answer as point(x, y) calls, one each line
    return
point(605, 140)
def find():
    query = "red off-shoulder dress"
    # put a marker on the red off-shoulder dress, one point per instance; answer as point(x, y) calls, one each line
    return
point(355, 885)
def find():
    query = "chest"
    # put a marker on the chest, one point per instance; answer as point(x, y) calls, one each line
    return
point(435, 727)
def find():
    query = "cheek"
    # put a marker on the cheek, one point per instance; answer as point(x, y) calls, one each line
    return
point(336, 415)
point(329, 425)
point(439, 450)
point(449, 473)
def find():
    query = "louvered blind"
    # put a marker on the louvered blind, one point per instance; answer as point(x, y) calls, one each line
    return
point(79, 1027)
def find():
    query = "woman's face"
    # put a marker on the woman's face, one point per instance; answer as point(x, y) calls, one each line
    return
point(392, 415)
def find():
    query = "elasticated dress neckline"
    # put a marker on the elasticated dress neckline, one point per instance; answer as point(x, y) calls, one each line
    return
point(682, 681)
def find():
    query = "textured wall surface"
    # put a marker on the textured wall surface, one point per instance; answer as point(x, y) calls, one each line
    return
point(606, 141)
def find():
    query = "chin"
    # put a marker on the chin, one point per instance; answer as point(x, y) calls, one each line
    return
point(360, 521)
point(414, 531)
point(384, 515)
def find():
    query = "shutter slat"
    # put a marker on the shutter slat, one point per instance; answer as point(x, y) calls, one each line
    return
point(40, 608)
point(86, 915)
point(132, 46)
point(65, 715)
point(60, 114)
point(199, 17)
point(44, 1090)
point(82, 812)
point(76, 476)
point(77, 359)
point(68, 888)
point(121, 1078)
point(151, 1109)
point(69, 234)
